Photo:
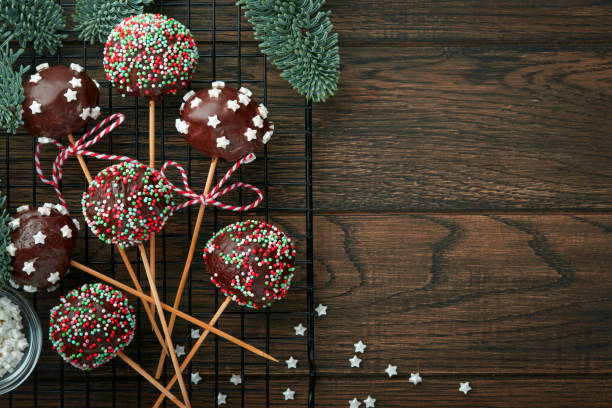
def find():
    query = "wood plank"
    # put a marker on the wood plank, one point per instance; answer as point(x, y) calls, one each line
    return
point(476, 128)
point(464, 294)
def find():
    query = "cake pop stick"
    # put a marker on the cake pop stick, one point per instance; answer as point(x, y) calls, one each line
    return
point(152, 165)
point(166, 307)
point(220, 122)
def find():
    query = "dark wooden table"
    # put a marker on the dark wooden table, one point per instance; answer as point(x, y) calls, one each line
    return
point(463, 197)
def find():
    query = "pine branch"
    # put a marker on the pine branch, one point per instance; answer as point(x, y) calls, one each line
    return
point(97, 18)
point(5, 241)
point(297, 38)
point(35, 21)
point(11, 91)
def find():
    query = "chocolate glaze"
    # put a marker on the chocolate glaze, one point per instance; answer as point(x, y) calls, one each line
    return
point(57, 116)
point(51, 258)
point(232, 126)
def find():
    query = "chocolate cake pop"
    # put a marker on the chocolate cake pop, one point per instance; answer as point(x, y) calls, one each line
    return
point(91, 325)
point(251, 261)
point(42, 241)
point(149, 55)
point(59, 100)
point(127, 203)
point(224, 122)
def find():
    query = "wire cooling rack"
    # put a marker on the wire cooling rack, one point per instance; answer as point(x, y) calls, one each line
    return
point(283, 169)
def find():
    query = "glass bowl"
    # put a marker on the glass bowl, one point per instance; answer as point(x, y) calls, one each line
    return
point(33, 332)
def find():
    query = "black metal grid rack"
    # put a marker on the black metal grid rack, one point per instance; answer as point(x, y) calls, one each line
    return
point(221, 28)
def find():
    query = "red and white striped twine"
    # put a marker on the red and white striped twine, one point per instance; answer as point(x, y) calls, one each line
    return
point(217, 191)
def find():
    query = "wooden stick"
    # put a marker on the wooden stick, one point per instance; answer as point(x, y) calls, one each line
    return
point(192, 248)
point(126, 261)
point(194, 349)
point(177, 312)
point(149, 378)
point(162, 319)
point(152, 165)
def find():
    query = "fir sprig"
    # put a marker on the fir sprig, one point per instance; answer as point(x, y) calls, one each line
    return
point(11, 91)
point(5, 241)
point(33, 21)
point(97, 18)
point(298, 39)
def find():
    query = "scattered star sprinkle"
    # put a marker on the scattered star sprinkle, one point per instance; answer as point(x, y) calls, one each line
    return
point(97, 83)
point(75, 82)
point(258, 121)
point(44, 211)
point(250, 134)
point(39, 238)
point(222, 142)
point(85, 114)
point(195, 333)
point(66, 231)
point(76, 224)
point(181, 126)
point(213, 121)
point(267, 136)
point(53, 277)
point(244, 99)
point(354, 403)
point(35, 78)
point(71, 95)
point(233, 105)
point(292, 362)
point(360, 347)
point(14, 224)
point(218, 84)
point(195, 377)
point(35, 107)
point(288, 394)
point(30, 288)
point(22, 208)
point(11, 249)
point(245, 91)
point(221, 399)
point(41, 67)
point(464, 387)
point(369, 402)
point(263, 111)
point(95, 112)
point(179, 350)
point(299, 330)
point(355, 361)
point(188, 95)
point(195, 102)
point(28, 267)
point(61, 209)
point(76, 67)
point(391, 370)
point(214, 93)
point(321, 310)
point(236, 379)
point(415, 378)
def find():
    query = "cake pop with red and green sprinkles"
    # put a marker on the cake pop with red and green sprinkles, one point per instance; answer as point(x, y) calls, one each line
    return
point(251, 261)
point(149, 55)
point(91, 324)
point(127, 203)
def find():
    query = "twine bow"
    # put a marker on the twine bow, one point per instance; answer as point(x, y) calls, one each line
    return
point(217, 191)
point(78, 148)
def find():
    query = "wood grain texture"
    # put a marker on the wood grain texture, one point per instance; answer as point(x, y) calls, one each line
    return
point(478, 128)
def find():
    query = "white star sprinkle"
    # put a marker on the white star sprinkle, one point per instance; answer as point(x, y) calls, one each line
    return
point(30, 288)
point(258, 121)
point(11, 249)
point(66, 231)
point(222, 142)
point(214, 93)
point(355, 361)
point(61, 209)
point(218, 84)
point(244, 99)
point(14, 224)
point(195, 377)
point(75, 82)
point(71, 95)
point(182, 107)
point(48, 205)
point(28, 267)
point(76, 67)
point(188, 95)
point(464, 387)
point(35, 107)
point(14, 284)
point(52, 288)
point(97, 83)
point(250, 134)
point(42, 67)
point(292, 362)
point(263, 111)
point(360, 347)
point(236, 379)
point(245, 91)
point(369, 402)
point(299, 330)
point(181, 126)
point(53, 277)
point(354, 403)
point(23, 208)
point(195, 102)
point(233, 105)
point(267, 136)
point(321, 310)
point(415, 378)
point(213, 121)
point(35, 78)
point(221, 399)
point(39, 238)
point(85, 114)
point(179, 350)
point(95, 112)
point(391, 370)
point(195, 333)
point(44, 211)
point(76, 224)
point(288, 394)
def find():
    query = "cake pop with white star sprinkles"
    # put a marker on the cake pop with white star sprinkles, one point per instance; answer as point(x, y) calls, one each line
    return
point(224, 122)
point(251, 261)
point(149, 55)
point(126, 203)
point(59, 100)
point(91, 325)
point(42, 240)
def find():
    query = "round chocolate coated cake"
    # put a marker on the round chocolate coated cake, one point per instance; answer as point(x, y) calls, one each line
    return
point(42, 241)
point(91, 325)
point(224, 122)
point(251, 261)
point(149, 55)
point(127, 203)
point(59, 100)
